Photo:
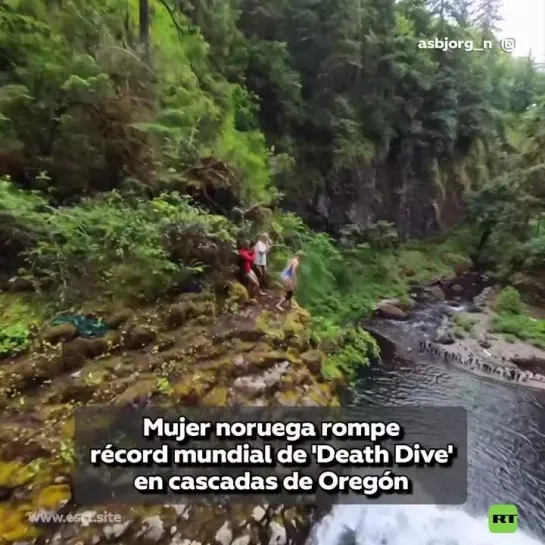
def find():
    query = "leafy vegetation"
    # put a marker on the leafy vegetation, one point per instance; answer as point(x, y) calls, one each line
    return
point(140, 140)
point(513, 321)
point(464, 322)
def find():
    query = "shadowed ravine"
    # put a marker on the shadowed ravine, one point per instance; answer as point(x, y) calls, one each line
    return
point(506, 448)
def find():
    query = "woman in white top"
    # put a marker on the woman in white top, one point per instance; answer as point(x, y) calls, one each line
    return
point(262, 247)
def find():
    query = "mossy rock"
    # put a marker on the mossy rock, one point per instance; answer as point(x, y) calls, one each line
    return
point(288, 398)
point(165, 342)
point(118, 318)
point(68, 391)
point(52, 497)
point(37, 366)
point(14, 526)
point(97, 347)
point(74, 354)
point(192, 389)
point(238, 293)
point(262, 360)
point(139, 392)
point(217, 397)
point(23, 444)
point(60, 333)
point(180, 313)
point(14, 474)
point(114, 339)
point(313, 359)
point(139, 337)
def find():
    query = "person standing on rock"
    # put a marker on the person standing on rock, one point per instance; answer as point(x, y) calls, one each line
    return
point(248, 258)
point(289, 280)
point(261, 249)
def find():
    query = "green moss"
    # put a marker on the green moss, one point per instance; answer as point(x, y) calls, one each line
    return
point(521, 327)
point(465, 322)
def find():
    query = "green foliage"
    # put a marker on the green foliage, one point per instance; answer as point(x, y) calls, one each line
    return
point(509, 302)
point(465, 322)
point(512, 321)
point(353, 349)
point(521, 327)
point(14, 338)
point(121, 244)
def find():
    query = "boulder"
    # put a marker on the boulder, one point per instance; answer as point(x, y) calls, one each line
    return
point(139, 392)
point(444, 336)
point(313, 359)
point(164, 342)
point(74, 354)
point(388, 310)
point(250, 386)
point(436, 292)
point(97, 347)
point(118, 318)
point(139, 337)
point(176, 316)
point(60, 333)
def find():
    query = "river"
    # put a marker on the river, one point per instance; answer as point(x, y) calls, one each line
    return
point(506, 446)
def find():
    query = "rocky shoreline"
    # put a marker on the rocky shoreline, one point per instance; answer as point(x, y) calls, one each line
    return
point(200, 350)
point(480, 352)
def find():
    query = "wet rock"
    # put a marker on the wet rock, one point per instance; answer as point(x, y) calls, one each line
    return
point(436, 292)
point(390, 311)
point(456, 288)
point(139, 337)
point(118, 318)
point(60, 333)
point(313, 359)
point(444, 336)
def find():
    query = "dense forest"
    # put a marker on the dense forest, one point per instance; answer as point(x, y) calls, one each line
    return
point(141, 140)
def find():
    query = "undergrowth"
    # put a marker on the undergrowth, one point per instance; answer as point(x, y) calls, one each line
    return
point(340, 285)
point(513, 322)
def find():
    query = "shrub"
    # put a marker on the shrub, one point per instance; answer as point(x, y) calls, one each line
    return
point(126, 244)
point(509, 302)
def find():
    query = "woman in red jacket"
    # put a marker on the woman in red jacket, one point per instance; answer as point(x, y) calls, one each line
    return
point(248, 259)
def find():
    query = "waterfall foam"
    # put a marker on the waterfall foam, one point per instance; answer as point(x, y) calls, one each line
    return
point(409, 525)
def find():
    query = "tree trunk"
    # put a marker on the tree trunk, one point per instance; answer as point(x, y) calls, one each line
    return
point(144, 21)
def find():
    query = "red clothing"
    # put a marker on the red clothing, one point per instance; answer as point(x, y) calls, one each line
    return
point(249, 257)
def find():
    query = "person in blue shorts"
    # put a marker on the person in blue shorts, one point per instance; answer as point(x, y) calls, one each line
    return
point(289, 281)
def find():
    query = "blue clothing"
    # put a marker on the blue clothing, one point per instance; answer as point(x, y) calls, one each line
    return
point(288, 273)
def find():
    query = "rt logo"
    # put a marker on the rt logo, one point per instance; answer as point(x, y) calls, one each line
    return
point(503, 519)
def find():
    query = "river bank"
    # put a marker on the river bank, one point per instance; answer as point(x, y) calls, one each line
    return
point(462, 330)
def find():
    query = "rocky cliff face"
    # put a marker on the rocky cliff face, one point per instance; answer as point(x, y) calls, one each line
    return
point(412, 186)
